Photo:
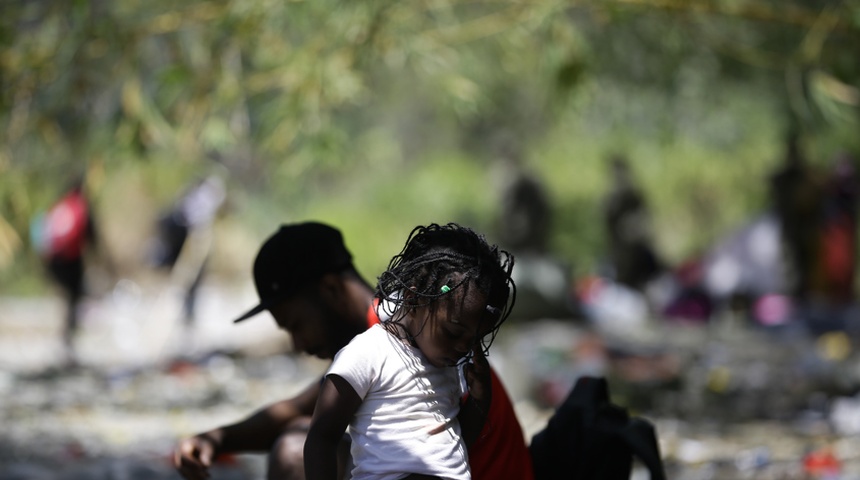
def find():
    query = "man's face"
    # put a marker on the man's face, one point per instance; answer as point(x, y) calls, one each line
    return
point(315, 327)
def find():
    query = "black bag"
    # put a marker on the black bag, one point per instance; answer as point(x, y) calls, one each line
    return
point(589, 438)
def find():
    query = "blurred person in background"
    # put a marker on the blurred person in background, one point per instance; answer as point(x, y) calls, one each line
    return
point(526, 218)
point(524, 227)
point(64, 238)
point(306, 280)
point(837, 240)
point(796, 191)
point(627, 224)
point(183, 243)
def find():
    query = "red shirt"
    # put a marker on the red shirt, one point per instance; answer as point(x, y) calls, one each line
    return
point(500, 451)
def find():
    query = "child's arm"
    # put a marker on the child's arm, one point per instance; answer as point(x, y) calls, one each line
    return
point(335, 407)
point(474, 409)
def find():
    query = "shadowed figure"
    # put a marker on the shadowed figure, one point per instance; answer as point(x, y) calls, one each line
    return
point(837, 242)
point(796, 196)
point(626, 220)
point(524, 227)
point(526, 215)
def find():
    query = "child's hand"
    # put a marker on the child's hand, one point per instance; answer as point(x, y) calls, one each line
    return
point(473, 413)
point(477, 373)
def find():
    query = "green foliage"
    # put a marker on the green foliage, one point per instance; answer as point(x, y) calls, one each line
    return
point(378, 115)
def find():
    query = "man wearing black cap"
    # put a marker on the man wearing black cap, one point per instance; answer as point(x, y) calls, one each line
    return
point(305, 278)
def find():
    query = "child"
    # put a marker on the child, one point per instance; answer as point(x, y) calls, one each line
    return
point(397, 385)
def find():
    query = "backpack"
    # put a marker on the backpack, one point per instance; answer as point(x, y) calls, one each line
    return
point(64, 228)
point(590, 438)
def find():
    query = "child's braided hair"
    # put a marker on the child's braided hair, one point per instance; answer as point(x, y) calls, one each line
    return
point(439, 260)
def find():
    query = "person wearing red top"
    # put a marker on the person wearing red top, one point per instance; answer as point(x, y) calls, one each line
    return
point(306, 280)
point(64, 237)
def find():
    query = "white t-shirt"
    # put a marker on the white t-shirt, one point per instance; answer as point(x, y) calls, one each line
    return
point(407, 421)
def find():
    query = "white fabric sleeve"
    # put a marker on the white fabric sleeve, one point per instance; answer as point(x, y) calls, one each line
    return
point(358, 362)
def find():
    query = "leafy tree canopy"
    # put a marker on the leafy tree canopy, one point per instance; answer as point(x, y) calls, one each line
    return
point(318, 90)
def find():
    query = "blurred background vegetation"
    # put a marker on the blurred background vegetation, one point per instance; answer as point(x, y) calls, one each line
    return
point(380, 115)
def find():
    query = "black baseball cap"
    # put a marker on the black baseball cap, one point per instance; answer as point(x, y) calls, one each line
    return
point(292, 257)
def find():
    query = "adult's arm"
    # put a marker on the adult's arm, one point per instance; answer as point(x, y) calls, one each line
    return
point(336, 406)
point(476, 405)
point(256, 433)
point(500, 451)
